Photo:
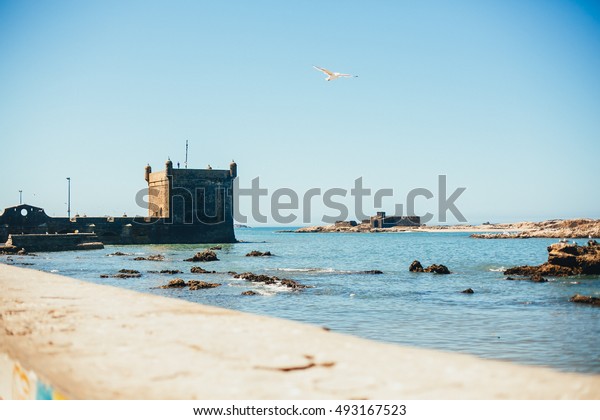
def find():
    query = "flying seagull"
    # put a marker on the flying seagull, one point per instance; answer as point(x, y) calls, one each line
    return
point(331, 75)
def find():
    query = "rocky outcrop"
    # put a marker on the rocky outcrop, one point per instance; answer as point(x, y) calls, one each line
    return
point(249, 293)
point(200, 270)
point(564, 260)
point(535, 278)
point(197, 285)
point(437, 269)
point(271, 280)
point(117, 254)
point(371, 272)
point(259, 254)
point(170, 271)
point(157, 257)
point(503, 235)
point(192, 284)
point(123, 274)
point(174, 284)
point(204, 256)
point(416, 267)
point(589, 300)
point(573, 228)
point(468, 291)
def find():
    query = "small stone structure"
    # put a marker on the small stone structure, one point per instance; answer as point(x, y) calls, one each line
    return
point(383, 221)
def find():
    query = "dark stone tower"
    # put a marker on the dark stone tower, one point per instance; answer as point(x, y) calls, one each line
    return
point(195, 202)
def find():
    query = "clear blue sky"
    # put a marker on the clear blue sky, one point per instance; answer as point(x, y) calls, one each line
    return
point(503, 97)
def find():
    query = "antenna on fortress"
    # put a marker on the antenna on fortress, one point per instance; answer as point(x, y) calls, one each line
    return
point(186, 153)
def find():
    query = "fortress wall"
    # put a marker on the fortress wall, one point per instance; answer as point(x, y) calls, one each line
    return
point(64, 338)
point(203, 192)
point(51, 242)
point(158, 195)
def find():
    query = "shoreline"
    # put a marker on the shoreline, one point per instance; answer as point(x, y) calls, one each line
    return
point(572, 228)
point(94, 341)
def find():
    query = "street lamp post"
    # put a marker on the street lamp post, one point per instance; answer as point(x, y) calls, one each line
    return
point(69, 198)
point(20, 196)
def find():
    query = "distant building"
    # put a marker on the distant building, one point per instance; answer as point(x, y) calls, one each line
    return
point(345, 223)
point(184, 206)
point(383, 221)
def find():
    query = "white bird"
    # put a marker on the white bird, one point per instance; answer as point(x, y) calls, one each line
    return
point(332, 75)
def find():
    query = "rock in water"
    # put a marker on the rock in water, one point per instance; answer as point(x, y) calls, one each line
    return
point(249, 293)
point(416, 267)
point(204, 256)
point(437, 269)
point(259, 254)
point(468, 291)
point(157, 257)
point(537, 278)
point(200, 270)
point(590, 300)
point(262, 278)
point(123, 274)
point(197, 284)
point(174, 284)
point(564, 260)
point(192, 284)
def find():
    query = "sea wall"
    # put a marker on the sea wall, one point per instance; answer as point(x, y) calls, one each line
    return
point(26, 219)
point(56, 242)
point(64, 338)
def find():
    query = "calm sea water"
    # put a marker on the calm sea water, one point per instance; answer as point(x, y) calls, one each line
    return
point(519, 321)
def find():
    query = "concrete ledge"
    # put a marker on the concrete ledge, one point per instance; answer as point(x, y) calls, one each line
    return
point(88, 341)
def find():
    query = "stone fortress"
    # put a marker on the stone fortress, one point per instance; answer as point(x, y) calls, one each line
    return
point(185, 206)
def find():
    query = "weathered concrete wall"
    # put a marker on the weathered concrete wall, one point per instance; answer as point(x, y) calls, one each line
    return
point(82, 340)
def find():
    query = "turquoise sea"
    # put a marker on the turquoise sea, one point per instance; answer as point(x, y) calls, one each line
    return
point(519, 321)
